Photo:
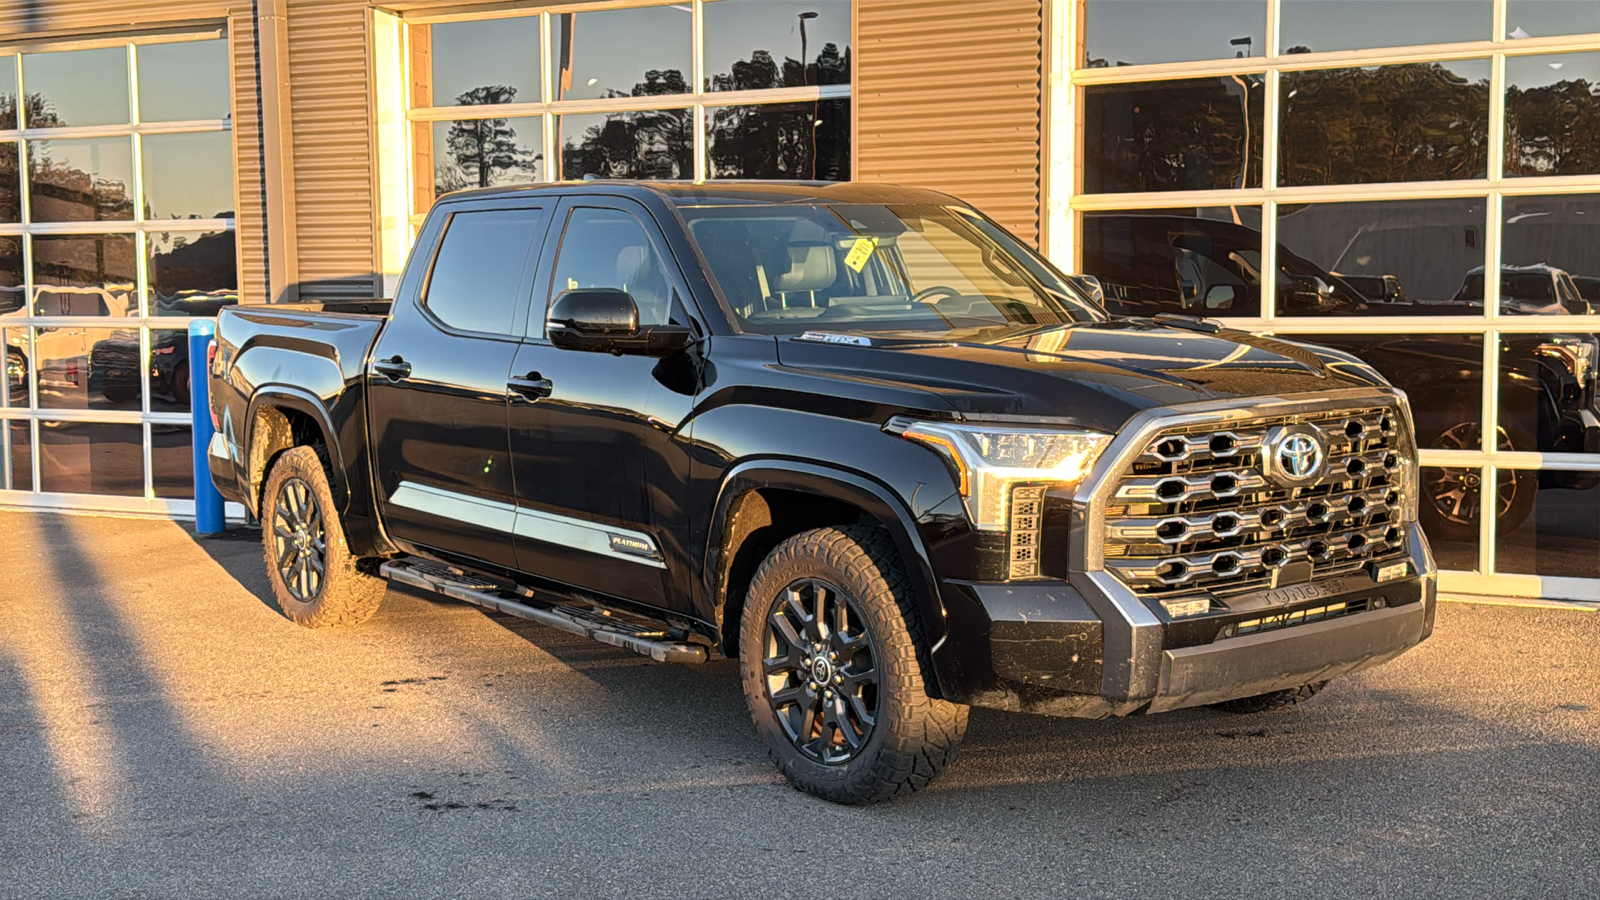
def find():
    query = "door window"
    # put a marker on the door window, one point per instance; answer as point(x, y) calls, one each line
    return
point(477, 274)
point(610, 248)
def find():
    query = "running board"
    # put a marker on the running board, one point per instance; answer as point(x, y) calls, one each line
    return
point(599, 626)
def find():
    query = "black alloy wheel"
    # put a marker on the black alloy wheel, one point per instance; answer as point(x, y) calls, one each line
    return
point(300, 540)
point(820, 666)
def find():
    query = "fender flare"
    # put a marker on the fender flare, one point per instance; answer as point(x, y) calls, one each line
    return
point(302, 401)
point(872, 496)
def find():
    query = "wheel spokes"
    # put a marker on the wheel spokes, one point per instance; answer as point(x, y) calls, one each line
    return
point(820, 669)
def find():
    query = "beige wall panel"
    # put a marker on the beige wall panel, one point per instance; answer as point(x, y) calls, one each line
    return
point(25, 16)
point(949, 96)
point(332, 158)
point(251, 222)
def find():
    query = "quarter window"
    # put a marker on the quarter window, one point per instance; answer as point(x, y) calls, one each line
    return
point(478, 272)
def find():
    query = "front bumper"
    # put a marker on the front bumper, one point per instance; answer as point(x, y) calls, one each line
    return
point(1089, 648)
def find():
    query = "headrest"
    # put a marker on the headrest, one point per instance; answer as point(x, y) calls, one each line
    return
point(811, 268)
point(629, 260)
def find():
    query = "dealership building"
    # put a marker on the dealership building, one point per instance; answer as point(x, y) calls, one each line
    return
point(162, 159)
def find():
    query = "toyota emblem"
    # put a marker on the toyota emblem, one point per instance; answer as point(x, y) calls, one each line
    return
point(1295, 455)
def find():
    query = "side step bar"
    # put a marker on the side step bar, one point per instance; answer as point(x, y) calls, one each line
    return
point(597, 626)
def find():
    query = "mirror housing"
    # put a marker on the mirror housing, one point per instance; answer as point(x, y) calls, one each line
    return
point(1089, 286)
point(606, 320)
point(1220, 296)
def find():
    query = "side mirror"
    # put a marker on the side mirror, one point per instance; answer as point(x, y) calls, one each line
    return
point(607, 321)
point(1090, 287)
point(1220, 296)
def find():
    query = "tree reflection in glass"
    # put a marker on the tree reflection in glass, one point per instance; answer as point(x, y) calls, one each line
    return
point(656, 144)
point(1422, 122)
point(1187, 134)
point(1553, 114)
point(788, 140)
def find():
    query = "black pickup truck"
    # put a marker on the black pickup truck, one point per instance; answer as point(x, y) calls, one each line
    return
point(857, 437)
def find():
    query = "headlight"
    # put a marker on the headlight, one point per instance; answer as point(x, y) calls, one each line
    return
point(989, 461)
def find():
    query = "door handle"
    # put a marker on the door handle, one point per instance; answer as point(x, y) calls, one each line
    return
point(530, 387)
point(393, 369)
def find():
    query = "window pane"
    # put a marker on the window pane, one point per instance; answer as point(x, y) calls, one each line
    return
point(607, 248)
point(624, 52)
point(18, 368)
point(192, 273)
point(184, 81)
point(87, 368)
point(77, 87)
point(21, 457)
point(8, 92)
point(1449, 512)
point(1542, 18)
point(474, 153)
point(1309, 26)
point(627, 145)
point(1547, 393)
point(1193, 134)
point(171, 462)
point(745, 40)
point(169, 370)
point(1392, 257)
point(1441, 373)
point(84, 275)
point(13, 293)
point(1553, 114)
point(1550, 525)
point(10, 184)
point(808, 141)
point(1120, 32)
point(188, 176)
point(1424, 122)
point(1562, 232)
point(478, 273)
point(81, 181)
point(1191, 261)
point(489, 61)
point(90, 458)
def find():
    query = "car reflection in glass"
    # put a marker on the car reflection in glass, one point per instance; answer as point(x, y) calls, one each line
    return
point(1178, 264)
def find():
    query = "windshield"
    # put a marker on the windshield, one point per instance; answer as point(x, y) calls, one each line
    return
point(858, 267)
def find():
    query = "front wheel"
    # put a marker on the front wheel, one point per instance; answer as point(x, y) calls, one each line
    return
point(829, 644)
point(314, 577)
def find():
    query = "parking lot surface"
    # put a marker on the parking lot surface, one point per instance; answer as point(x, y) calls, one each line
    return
point(165, 733)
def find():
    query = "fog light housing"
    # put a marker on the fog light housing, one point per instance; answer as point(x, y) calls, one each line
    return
point(1027, 521)
point(1179, 609)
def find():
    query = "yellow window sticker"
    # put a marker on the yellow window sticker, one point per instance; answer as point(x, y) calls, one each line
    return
point(860, 253)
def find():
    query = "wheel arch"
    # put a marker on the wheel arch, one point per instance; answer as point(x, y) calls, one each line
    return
point(763, 503)
point(281, 417)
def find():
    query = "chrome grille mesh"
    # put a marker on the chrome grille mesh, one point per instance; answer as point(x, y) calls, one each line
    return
point(1196, 513)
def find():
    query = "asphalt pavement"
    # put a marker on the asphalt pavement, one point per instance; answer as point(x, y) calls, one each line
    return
point(165, 733)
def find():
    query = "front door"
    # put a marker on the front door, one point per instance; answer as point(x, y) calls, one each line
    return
point(437, 388)
point(597, 452)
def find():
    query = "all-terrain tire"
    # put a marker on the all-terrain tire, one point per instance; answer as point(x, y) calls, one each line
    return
point(913, 736)
point(297, 494)
point(1268, 702)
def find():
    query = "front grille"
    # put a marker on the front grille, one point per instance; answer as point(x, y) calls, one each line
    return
point(1196, 513)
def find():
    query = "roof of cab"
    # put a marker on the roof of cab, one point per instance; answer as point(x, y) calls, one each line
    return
point(724, 193)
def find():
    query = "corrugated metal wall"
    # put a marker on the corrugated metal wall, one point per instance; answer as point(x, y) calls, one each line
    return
point(332, 157)
point(950, 96)
point(17, 19)
point(251, 221)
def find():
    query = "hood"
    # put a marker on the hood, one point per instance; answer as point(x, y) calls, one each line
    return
point(1093, 374)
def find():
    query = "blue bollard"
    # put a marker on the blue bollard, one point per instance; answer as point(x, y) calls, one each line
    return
point(208, 510)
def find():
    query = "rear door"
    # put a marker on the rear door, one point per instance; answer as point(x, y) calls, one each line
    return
point(437, 386)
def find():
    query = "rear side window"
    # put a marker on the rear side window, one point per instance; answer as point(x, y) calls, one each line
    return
point(476, 276)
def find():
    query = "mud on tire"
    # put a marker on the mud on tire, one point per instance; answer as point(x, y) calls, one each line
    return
point(314, 578)
point(829, 660)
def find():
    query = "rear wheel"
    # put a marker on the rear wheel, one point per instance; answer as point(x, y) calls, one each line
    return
point(1453, 499)
point(829, 645)
point(314, 577)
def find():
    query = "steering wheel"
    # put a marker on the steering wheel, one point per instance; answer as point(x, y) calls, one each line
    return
point(930, 294)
